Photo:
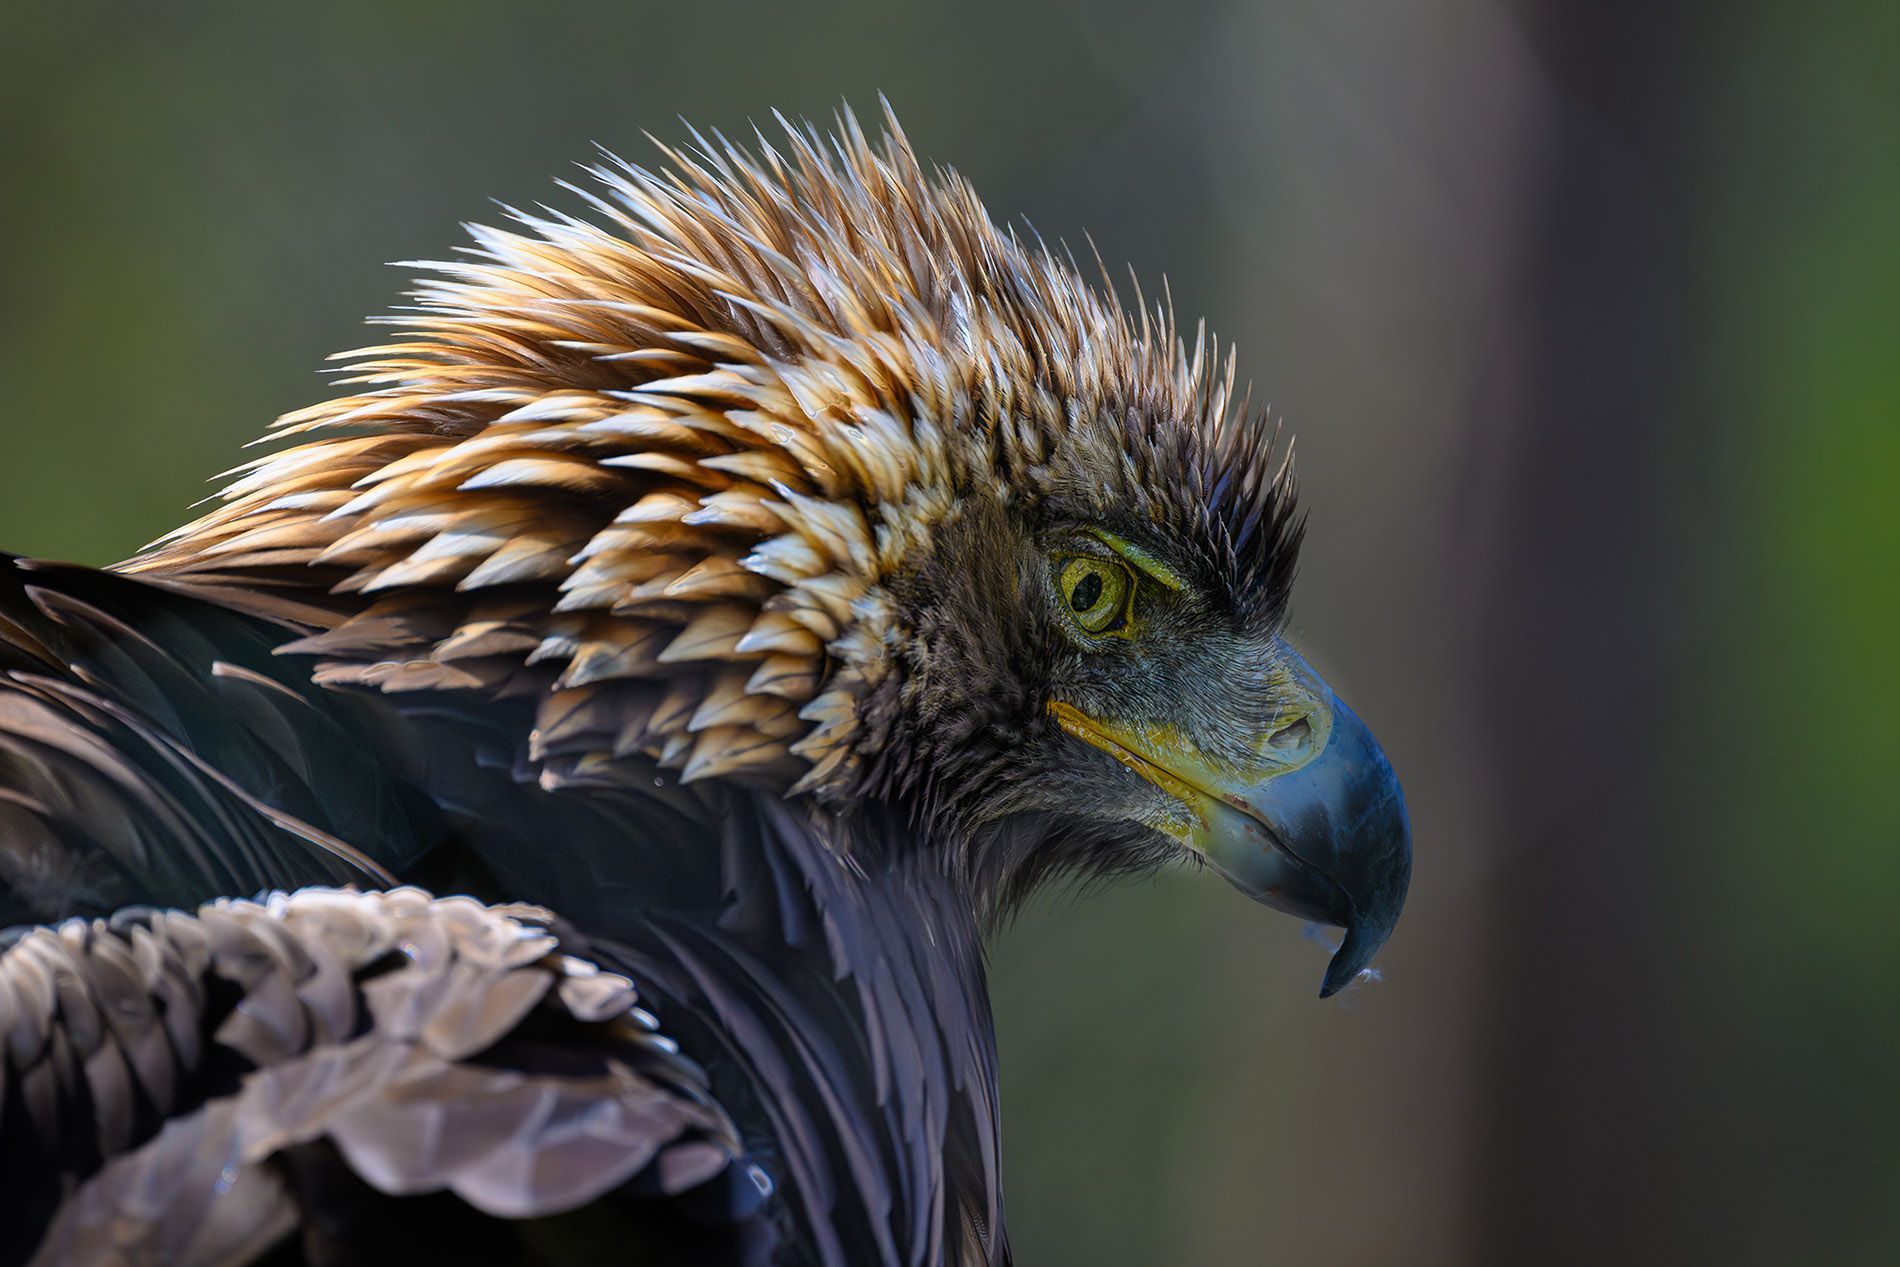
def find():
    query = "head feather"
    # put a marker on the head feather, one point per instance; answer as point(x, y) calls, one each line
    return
point(650, 468)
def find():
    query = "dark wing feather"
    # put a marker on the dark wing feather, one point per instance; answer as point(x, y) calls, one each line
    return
point(194, 1084)
point(155, 749)
point(152, 749)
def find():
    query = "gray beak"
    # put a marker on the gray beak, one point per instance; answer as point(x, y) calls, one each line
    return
point(1311, 822)
point(1327, 839)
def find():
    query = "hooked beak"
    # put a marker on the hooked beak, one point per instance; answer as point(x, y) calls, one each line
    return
point(1315, 827)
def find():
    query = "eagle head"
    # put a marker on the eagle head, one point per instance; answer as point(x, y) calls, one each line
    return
point(786, 467)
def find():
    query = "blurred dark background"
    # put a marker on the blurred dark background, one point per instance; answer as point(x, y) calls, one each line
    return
point(1588, 320)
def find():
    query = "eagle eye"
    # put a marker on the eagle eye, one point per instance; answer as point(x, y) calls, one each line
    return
point(1097, 593)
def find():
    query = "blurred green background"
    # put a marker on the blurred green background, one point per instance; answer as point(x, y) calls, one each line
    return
point(1588, 320)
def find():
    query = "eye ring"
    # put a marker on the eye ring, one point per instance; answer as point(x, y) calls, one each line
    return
point(1096, 594)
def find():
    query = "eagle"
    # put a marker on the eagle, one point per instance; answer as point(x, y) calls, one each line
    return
point(549, 808)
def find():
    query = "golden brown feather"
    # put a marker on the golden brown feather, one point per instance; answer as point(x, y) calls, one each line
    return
point(656, 470)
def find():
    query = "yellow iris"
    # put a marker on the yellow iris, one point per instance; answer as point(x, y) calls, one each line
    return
point(1097, 593)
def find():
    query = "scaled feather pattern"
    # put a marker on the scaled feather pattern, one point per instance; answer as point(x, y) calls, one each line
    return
point(163, 1061)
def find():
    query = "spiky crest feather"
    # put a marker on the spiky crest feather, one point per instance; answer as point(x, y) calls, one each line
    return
point(651, 471)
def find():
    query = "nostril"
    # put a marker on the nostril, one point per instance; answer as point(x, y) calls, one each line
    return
point(1291, 735)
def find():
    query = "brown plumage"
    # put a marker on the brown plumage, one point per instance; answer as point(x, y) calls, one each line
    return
point(658, 470)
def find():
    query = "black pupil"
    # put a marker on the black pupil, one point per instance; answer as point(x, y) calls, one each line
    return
point(1087, 592)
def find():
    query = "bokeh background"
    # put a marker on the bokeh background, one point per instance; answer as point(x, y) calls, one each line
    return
point(1588, 320)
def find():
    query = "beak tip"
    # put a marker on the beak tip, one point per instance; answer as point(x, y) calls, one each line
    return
point(1335, 981)
point(1362, 942)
